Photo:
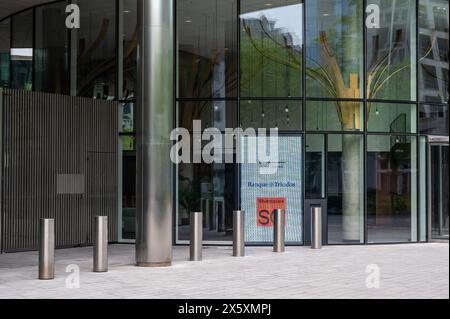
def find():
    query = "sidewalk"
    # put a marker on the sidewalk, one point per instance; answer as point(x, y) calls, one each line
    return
point(406, 271)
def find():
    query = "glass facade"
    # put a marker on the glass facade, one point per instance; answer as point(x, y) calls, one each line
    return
point(271, 49)
point(391, 188)
point(334, 48)
point(391, 52)
point(207, 49)
point(433, 44)
point(22, 51)
point(354, 105)
point(51, 63)
point(5, 47)
point(96, 55)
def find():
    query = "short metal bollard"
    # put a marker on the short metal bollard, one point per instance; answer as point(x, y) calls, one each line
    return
point(279, 231)
point(316, 227)
point(101, 244)
point(196, 236)
point(47, 249)
point(238, 233)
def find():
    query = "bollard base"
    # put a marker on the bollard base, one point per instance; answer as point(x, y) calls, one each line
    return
point(100, 271)
point(153, 265)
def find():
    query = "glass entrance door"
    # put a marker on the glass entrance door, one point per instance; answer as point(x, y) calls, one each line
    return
point(439, 191)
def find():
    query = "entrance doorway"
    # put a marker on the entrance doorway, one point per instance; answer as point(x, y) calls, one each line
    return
point(438, 191)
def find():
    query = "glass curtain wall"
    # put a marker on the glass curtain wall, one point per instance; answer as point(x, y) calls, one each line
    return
point(22, 51)
point(391, 188)
point(126, 87)
point(271, 48)
point(5, 48)
point(434, 46)
point(345, 183)
point(243, 66)
point(334, 48)
point(207, 66)
point(207, 49)
point(128, 75)
point(51, 72)
point(391, 52)
point(96, 54)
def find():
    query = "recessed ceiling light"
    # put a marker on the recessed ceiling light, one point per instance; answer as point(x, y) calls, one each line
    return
point(188, 21)
point(268, 4)
point(126, 11)
point(326, 14)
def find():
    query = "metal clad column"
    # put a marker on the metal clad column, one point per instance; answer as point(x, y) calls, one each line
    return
point(47, 249)
point(154, 124)
point(101, 244)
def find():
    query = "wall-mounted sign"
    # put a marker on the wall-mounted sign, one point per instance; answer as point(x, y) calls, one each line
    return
point(262, 194)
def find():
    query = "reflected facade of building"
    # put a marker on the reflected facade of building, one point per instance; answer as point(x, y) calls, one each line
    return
point(357, 108)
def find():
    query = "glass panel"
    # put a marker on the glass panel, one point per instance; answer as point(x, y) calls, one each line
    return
point(334, 48)
point(345, 173)
point(212, 114)
point(315, 166)
point(128, 148)
point(334, 116)
point(207, 48)
point(208, 188)
point(423, 188)
point(22, 51)
point(129, 195)
point(271, 48)
point(5, 43)
point(392, 188)
point(129, 49)
point(391, 52)
point(433, 119)
point(284, 115)
point(393, 118)
point(51, 63)
point(433, 41)
point(127, 137)
point(439, 192)
point(97, 50)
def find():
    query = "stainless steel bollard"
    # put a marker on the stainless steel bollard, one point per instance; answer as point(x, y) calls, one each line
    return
point(316, 228)
point(279, 231)
point(238, 233)
point(101, 244)
point(47, 249)
point(196, 236)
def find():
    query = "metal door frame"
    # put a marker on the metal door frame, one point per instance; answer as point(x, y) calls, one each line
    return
point(433, 141)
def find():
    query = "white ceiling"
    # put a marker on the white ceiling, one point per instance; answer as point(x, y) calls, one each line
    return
point(8, 7)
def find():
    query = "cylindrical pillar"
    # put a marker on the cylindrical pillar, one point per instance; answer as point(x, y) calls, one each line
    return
point(196, 236)
point(154, 192)
point(279, 231)
point(316, 227)
point(101, 244)
point(238, 233)
point(47, 249)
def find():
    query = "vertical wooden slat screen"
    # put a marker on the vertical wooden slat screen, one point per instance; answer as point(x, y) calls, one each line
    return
point(48, 138)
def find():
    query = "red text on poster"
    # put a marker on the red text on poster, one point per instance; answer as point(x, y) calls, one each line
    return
point(265, 209)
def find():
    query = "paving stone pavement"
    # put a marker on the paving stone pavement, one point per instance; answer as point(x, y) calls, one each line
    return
point(406, 271)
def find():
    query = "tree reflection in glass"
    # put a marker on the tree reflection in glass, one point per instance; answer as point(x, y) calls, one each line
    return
point(271, 48)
